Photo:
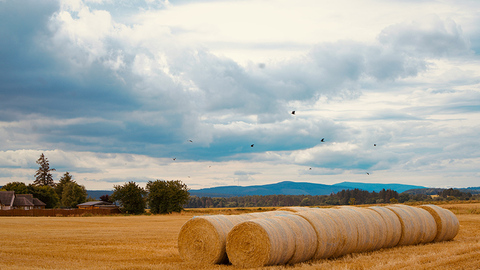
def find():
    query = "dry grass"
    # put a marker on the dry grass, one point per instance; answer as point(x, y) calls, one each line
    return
point(150, 242)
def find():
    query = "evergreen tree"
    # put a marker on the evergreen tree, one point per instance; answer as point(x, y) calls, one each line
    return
point(66, 178)
point(43, 177)
point(73, 194)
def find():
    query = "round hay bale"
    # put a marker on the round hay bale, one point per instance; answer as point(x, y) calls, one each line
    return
point(393, 226)
point(455, 225)
point(348, 233)
point(409, 224)
point(270, 241)
point(447, 223)
point(367, 240)
point(377, 227)
point(329, 235)
point(426, 224)
point(202, 239)
point(305, 238)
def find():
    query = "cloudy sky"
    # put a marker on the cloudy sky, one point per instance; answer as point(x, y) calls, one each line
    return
point(139, 90)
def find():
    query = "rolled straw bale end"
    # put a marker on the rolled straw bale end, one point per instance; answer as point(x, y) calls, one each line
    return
point(447, 223)
point(248, 245)
point(199, 242)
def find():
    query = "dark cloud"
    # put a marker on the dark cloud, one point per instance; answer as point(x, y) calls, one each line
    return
point(155, 100)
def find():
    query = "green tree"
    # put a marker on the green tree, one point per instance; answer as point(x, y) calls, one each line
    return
point(352, 201)
point(305, 202)
point(66, 178)
point(45, 194)
point(43, 177)
point(167, 196)
point(131, 198)
point(18, 187)
point(73, 194)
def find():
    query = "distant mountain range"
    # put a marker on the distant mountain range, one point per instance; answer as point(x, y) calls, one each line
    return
point(296, 188)
point(299, 188)
point(96, 194)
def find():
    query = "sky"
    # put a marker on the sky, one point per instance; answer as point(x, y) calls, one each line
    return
point(203, 91)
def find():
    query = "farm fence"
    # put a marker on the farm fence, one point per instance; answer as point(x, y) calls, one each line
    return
point(57, 212)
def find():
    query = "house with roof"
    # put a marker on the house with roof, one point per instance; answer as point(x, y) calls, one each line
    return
point(6, 200)
point(96, 205)
point(10, 200)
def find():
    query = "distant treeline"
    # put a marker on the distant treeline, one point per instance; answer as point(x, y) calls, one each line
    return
point(344, 197)
point(438, 191)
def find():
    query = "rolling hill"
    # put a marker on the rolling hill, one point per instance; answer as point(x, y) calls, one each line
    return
point(295, 188)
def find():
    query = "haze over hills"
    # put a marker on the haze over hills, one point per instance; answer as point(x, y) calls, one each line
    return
point(378, 186)
point(296, 188)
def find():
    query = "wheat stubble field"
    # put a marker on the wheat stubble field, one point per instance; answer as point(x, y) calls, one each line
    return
point(150, 242)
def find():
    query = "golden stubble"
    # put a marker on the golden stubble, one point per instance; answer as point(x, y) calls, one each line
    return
point(150, 242)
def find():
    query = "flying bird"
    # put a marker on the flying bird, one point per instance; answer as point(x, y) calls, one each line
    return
point(293, 112)
point(190, 140)
point(322, 140)
point(374, 144)
point(368, 173)
point(251, 145)
point(174, 158)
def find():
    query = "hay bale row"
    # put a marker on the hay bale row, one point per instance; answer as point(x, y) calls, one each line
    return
point(203, 239)
point(297, 234)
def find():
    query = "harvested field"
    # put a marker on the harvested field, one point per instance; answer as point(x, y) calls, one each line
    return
point(150, 242)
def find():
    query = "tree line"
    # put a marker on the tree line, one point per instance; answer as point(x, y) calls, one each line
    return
point(66, 193)
point(160, 196)
point(344, 197)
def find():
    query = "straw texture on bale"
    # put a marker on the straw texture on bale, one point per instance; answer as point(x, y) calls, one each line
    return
point(373, 226)
point(409, 225)
point(296, 209)
point(447, 223)
point(203, 239)
point(364, 228)
point(427, 225)
point(329, 236)
point(393, 226)
point(346, 223)
point(270, 241)
point(418, 226)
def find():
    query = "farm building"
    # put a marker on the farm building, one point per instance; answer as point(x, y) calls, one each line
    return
point(10, 200)
point(96, 205)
